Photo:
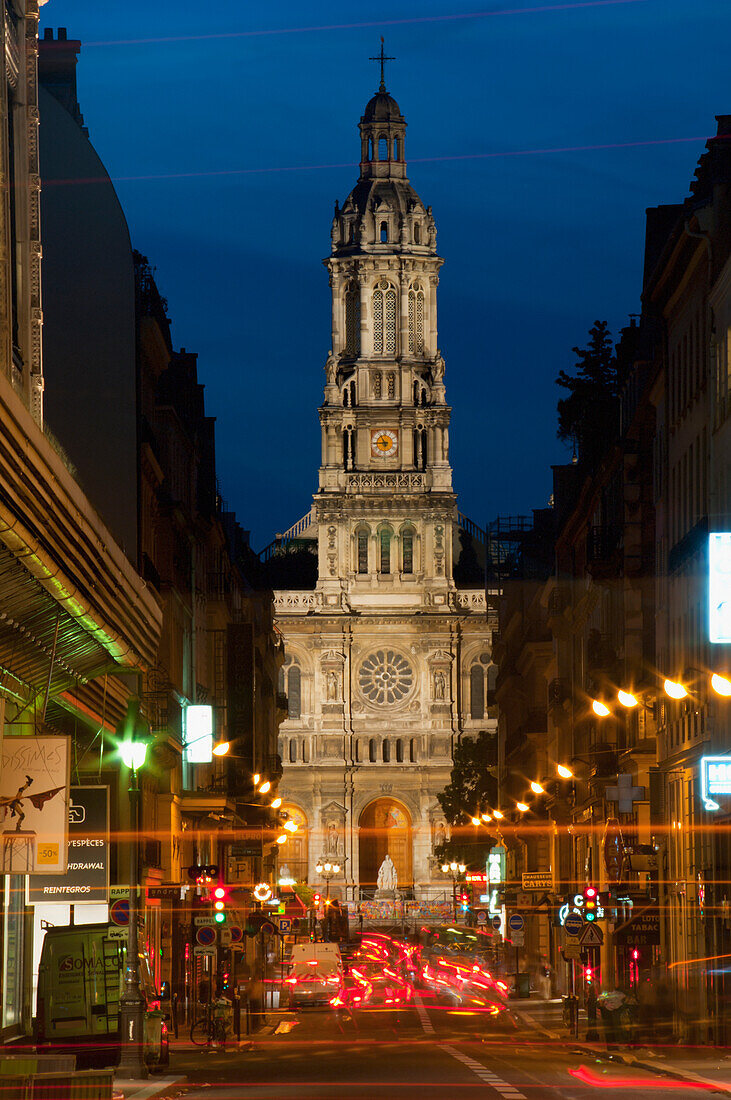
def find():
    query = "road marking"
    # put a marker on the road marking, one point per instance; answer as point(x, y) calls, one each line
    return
point(423, 1016)
point(508, 1091)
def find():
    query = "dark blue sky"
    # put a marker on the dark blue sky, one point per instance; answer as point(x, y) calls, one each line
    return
point(232, 128)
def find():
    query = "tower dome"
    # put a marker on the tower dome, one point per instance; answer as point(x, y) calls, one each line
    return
point(382, 108)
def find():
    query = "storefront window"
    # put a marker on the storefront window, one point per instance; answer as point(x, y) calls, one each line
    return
point(13, 911)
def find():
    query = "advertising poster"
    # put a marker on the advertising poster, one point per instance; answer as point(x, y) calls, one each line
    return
point(34, 799)
point(87, 873)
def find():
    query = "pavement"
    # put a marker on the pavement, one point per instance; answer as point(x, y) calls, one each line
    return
point(703, 1065)
point(142, 1090)
point(432, 1050)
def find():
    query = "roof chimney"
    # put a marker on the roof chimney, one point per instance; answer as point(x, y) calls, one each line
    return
point(57, 70)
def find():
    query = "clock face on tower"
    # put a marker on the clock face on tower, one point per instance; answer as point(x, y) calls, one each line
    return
point(384, 442)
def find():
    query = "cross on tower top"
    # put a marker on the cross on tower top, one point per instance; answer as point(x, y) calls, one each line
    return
point(383, 59)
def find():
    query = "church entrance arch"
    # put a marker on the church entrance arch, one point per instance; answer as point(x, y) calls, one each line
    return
point(294, 858)
point(385, 829)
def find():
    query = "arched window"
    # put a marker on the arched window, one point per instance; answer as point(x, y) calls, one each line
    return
point(352, 319)
point(384, 319)
point(385, 547)
point(412, 750)
point(477, 691)
point(372, 750)
point(384, 232)
point(357, 750)
point(420, 448)
point(351, 233)
point(417, 233)
point(395, 149)
point(292, 751)
point(305, 751)
point(294, 693)
point(383, 147)
point(348, 448)
point(346, 397)
point(386, 752)
point(407, 552)
point(399, 751)
point(370, 148)
point(362, 548)
point(416, 319)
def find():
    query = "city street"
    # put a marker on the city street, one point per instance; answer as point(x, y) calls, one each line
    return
point(426, 1051)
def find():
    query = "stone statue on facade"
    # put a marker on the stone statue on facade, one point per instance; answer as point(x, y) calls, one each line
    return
point(331, 368)
point(387, 878)
point(440, 686)
point(332, 686)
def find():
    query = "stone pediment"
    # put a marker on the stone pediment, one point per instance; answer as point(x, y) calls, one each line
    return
point(440, 655)
point(333, 809)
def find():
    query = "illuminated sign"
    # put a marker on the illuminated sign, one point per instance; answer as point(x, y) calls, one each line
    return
point(262, 892)
point(476, 878)
point(715, 779)
point(719, 586)
point(198, 733)
point(495, 878)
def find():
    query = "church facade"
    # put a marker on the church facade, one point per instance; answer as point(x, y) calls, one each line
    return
point(388, 661)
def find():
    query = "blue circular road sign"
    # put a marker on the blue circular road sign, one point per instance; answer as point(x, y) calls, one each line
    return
point(516, 922)
point(573, 923)
point(206, 936)
point(497, 922)
point(119, 912)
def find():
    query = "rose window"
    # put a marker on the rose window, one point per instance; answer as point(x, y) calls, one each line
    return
point(385, 677)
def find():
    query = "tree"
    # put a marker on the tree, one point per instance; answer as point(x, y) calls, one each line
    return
point(472, 788)
point(589, 416)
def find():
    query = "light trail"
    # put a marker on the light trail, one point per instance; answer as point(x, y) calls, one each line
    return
point(364, 25)
point(498, 154)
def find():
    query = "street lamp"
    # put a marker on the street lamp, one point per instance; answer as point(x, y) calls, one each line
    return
point(132, 1003)
point(327, 870)
point(454, 870)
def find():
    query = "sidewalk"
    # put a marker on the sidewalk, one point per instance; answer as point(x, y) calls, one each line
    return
point(141, 1090)
point(705, 1065)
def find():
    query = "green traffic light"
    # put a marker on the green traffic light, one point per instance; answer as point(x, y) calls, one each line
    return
point(219, 918)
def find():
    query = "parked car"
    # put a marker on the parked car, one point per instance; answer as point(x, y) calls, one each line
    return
point(80, 979)
point(315, 975)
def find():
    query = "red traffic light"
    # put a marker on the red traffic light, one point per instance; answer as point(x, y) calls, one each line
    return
point(316, 899)
point(219, 893)
point(589, 975)
point(590, 900)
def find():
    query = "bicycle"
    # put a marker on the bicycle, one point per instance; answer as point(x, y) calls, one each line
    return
point(214, 1028)
point(570, 1012)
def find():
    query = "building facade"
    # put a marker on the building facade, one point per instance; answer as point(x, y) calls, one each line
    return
point(387, 662)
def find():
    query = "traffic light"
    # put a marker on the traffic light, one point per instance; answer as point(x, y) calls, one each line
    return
point(590, 902)
point(316, 899)
point(589, 975)
point(220, 900)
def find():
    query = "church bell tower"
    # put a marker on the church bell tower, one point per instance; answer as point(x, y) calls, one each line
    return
point(385, 509)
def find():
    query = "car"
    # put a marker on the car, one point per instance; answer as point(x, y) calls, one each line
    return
point(315, 975)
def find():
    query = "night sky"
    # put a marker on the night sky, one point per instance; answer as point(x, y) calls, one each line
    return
point(538, 133)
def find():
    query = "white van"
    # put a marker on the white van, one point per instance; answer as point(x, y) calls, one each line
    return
point(315, 974)
point(79, 984)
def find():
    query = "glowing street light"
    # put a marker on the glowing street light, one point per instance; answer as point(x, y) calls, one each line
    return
point(498, 815)
point(626, 698)
point(486, 818)
point(537, 788)
point(721, 685)
point(265, 787)
point(276, 803)
point(674, 689)
point(282, 838)
point(564, 772)
point(522, 806)
point(291, 826)
point(221, 748)
point(600, 709)
point(475, 820)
